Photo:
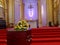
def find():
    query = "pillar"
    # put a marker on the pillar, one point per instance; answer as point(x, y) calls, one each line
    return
point(21, 10)
point(59, 14)
point(11, 11)
point(56, 8)
point(49, 11)
point(39, 14)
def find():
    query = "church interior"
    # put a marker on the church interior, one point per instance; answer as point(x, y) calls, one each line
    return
point(29, 22)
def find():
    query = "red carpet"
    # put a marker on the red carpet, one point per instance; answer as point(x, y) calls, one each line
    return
point(3, 37)
point(40, 36)
point(45, 36)
point(46, 43)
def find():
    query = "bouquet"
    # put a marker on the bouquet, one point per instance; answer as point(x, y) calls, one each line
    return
point(22, 25)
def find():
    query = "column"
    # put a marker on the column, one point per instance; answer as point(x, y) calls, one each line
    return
point(55, 8)
point(6, 17)
point(49, 11)
point(11, 11)
point(43, 12)
point(21, 10)
point(59, 14)
point(39, 14)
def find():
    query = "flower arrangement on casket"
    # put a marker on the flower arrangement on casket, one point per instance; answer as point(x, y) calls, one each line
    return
point(22, 25)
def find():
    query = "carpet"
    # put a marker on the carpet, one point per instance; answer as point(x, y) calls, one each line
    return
point(45, 36)
point(3, 37)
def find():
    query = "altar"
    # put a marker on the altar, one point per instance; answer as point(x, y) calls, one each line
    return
point(18, 37)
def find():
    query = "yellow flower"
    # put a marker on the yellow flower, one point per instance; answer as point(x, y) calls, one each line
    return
point(15, 27)
point(18, 27)
point(22, 25)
